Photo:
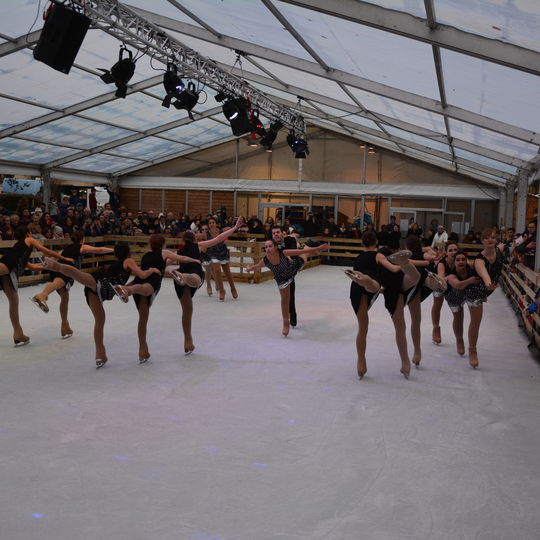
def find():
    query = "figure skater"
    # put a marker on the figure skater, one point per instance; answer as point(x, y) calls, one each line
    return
point(190, 276)
point(488, 267)
point(145, 290)
point(220, 258)
point(62, 284)
point(284, 264)
point(99, 287)
point(399, 278)
point(461, 280)
point(423, 259)
point(364, 291)
point(12, 266)
point(205, 261)
point(444, 267)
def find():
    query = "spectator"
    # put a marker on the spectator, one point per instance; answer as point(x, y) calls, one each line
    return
point(394, 238)
point(415, 230)
point(310, 225)
point(92, 202)
point(439, 238)
point(383, 236)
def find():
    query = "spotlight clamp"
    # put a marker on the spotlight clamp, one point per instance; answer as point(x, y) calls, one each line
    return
point(130, 28)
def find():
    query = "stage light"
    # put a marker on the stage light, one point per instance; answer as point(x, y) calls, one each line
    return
point(236, 112)
point(120, 73)
point(362, 145)
point(256, 123)
point(271, 135)
point(298, 145)
point(186, 96)
point(252, 140)
point(371, 150)
point(220, 96)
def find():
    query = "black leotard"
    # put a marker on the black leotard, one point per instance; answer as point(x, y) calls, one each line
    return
point(15, 259)
point(365, 262)
point(421, 289)
point(218, 253)
point(151, 259)
point(73, 251)
point(115, 274)
point(189, 250)
point(479, 290)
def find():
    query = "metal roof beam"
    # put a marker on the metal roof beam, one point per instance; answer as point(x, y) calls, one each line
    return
point(354, 81)
point(22, 42)
point(407, 25)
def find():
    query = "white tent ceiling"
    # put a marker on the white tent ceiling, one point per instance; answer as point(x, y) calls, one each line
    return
point(450, 82)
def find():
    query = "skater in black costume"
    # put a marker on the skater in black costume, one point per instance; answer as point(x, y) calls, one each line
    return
point(364, 291)
point(145, 290)
point(62, 284)
point(285, 264)
point(190, 276)
point(12, 265)
point(100, 287)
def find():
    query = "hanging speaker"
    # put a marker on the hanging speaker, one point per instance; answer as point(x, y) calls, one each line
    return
point(61, 37)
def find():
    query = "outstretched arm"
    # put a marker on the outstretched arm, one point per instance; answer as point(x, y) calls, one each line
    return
point(220, 237)
point(481, 270)
point(136, 270)
point(175, 258)
point(56, 254)
point(85, 248)
point(256, 266)
point(457, 283)
point(293, 252)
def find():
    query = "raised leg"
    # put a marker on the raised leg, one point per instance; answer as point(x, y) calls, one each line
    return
point(82, 277)
point(187, 313)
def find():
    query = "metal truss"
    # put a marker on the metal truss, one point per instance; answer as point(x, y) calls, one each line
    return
point(131, 29)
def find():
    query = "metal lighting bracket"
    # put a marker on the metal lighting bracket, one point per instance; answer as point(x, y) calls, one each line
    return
point(123, 23)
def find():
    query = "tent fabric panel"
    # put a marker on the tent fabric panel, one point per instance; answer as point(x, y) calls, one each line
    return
point(492, 90)
point(199, 132)
point(24, 77)
point(162, 7)
point(148, 148)
point(485, 161)
point(414, 7)
point(511, 22)
point(103, 163)
point(440, 145)
point(494, 141)
point(76, 131)
point(14, 112)
point(347, 46)
point(246, 20)
point(32, 152)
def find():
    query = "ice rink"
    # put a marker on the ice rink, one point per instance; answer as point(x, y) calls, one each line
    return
point(257, 437)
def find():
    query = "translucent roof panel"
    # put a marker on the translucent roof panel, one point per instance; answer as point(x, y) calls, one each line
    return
point(337, 115)
point(162, 7)
point(79, 132)
point(32, 152)
point(414, 7)
point(14, 112)
point(494, 141)
point(465, 170)
point(137, 111)
point(313, 83)
point(24, 77)
point(434, 160)
point(400, 111)
point(349, 47)
point(492, 90)
point(246, 20)
point(515, 22)
point(18, 16)
point(485, 161)
point(149, 148)
point(103, 163)
point(199, 133)
point(440, 145)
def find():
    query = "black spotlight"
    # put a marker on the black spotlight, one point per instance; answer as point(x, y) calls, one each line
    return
point(236, 112)
point(256, 123)
point(221, 96)
point(271, 135)
point(187, 99)
point(120, 73)
point(172, 83)
point(298, 146)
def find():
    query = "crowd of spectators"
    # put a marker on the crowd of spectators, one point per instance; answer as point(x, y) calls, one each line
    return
point(60, 218)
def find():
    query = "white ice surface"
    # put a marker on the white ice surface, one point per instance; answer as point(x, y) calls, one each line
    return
point(256, 437)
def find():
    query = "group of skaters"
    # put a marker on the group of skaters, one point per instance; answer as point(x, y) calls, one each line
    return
point(405, 278)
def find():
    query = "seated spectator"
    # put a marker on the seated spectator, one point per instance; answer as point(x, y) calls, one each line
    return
point(414, 230)
point(469, 237)
point(6, 229)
